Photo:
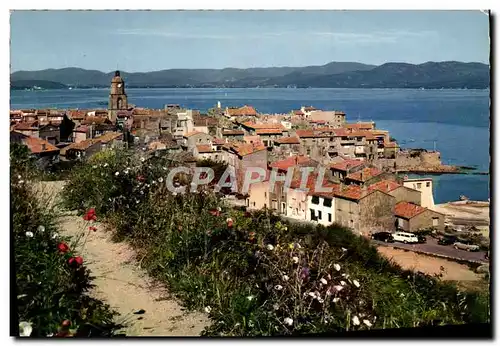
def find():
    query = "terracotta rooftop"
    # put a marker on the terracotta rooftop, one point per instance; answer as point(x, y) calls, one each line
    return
point(365, 174)
point(218, 141)
point(94, 120)
point(292, 161)
point(268, 131)
point(192, 133)
point(233, 132)
point(243, 149)
point(109, 136)
point(38, 145)
point(26, 126)
point(299, 112)
point(78, 114)
point(408, 210)
point(346, 165)
point(359, 126)
point(262, 126)
point(82, 128)
point(242, 111)
point(287, 140)
point(83, 145)
point(384, 186)
point(204, 120)
point(311, 186)
point(204, 148)
point(310, 133)
point(352, 192)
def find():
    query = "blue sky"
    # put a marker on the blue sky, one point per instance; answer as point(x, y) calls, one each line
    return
point(153, 40)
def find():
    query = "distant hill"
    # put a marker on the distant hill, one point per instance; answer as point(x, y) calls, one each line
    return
point(30, 83)
point(449, 74)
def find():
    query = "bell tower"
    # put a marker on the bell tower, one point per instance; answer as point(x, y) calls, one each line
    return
point(117, 97)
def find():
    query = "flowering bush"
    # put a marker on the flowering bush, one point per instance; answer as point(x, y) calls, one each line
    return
point(257, 275)
point(51, 280)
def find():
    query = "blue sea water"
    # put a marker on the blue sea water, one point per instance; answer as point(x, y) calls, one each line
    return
point(455, 122)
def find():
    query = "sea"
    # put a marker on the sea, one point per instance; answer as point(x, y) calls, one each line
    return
point(454, 122)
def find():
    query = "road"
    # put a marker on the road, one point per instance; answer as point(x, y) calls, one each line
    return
point(432, 247)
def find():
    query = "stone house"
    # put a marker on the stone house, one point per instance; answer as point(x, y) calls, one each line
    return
point(82, 150)
point(364, 211)
point(391, 149)
point(366, 176)
point(359, 126)
point(192, 139)
point(241, 112)
point(411, 217)
point(258, 196)
point(231, 134)
point(207, 151)
point(340, 170)
point(50, 132)
point(400, 192)
point(28, 128)
point(44, 152)
point(330, 118)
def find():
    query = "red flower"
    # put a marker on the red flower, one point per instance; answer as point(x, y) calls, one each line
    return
point(66, 323)
point(92, 228)
point(214, 212)
point(75, 261)
point(63, 247)
point(140, 178)
point(251, 236)
point(248, 214)
point(90, 215)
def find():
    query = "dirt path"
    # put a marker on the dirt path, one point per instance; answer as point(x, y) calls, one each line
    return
point(126, 287)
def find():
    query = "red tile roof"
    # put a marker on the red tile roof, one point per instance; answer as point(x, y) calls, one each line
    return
point(204, 148)
point(233, 132)
point(353, 192)
point(256, 126)
point(78, 115)
point(218, 141)
point(242, 111)
point(287, 140)
point(408, 210)
point(109, 136)
point(83, 145)
point(26, 126)
point(346, 165)
point(268, 131)
point(365, 174)
point(192, 133)
point(292, 161)
point(384, 186)
point(243, 149)
point(311, 133)
point(94, 120)
point(359, 126)
point(38, 145)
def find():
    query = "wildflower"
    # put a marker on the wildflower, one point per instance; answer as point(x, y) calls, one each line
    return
point(55, 235)
point(117, 173)
point(338, 288)
point(367, 323)
point(356, 283)
point(250, 298)
point(290, 246)
point(278, 287)
point(355, 320)
point(402, 294)
point(75, 261)
point(208, 309)
point(214, 212)
point(304, 275)
point(247, 214)
point(270, 247)
point(143, 159)
point(50, 335)
point(90, 215)
point(288, 321)
point(160, 180)
point(312, 295)
point(276, 307)
point(165, 168)
point(345, 276)
point(297, 245)
point(295, 259)
point(62, 247)
point(323, 281)
point(336, 300)
point(105, 165)
point(321, 301)
point(92, 228)
point(337, 267)
point(140, 178)
point(29, 234)
point(66, 323)
point(343, 283)
point(344, 249)
point(25, 329)
point(285, 278)
point(251, 236)
point(229, 222)
point(41, 229)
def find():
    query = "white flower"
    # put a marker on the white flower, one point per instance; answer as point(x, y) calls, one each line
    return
point(94, 166)
point(355, 282)
point(323, 281)
point(298, 246)
point(270, 247)
point(219, 209)
point(285, 277)
point(160, 179)
point(321, 301)
point(288, 321)
point(19, 177)
point(278, 287)
point(55, 235)
point(137, 202)
point(141, 192)
point(336, 266)
point(50, 335)
point(402, 294)
point(105, 165)
point(143, 159)
point(345, 275)
point(336, 300)
point(368, 323)
point(338, 288)
point(250, 298)
point(21, 181)
point(342, 283)
point(286, 228)
point(208, 309)
point(295, 259)
point(344, 249)
point(117, 173)
point(164, 168)
point(230, 220)
point(312, 295)
point(25, 328)
point(276, 307)
point(174, 193)
point(29, 234)
point(41, 228)
point(355, 320)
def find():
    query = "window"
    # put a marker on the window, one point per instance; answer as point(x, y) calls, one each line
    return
point(329, 217)
point(327, 202)
point(428, 184)
point(313, 216)
point(435, 221)
point(265, 194)
point(254, 204)
point(319, 214)
point(265, 205)
point(248, 202)
point(419, 185)
point(315, 200)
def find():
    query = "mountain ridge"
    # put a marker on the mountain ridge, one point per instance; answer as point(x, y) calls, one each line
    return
point(447, 74)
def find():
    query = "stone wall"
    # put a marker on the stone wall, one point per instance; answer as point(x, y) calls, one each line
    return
point(377, 213)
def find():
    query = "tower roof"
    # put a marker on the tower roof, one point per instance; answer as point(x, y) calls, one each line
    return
point(117, 78)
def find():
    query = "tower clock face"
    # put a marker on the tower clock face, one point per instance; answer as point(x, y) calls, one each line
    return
point(119, 85)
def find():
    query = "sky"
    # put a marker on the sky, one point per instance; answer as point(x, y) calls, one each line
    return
point(141, 41)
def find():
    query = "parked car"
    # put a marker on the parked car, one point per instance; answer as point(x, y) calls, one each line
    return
point(405, 237)
point(383, 236)
point(467, 247)
point(421, 239)
point(447, 240)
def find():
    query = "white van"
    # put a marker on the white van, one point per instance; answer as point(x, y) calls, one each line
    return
point(405, 237)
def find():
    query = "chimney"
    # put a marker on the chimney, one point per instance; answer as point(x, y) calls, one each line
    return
point(361, 175)
point(44, 147)
point(387, 186)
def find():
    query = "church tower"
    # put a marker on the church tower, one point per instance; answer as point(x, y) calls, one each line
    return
point(117, 97)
